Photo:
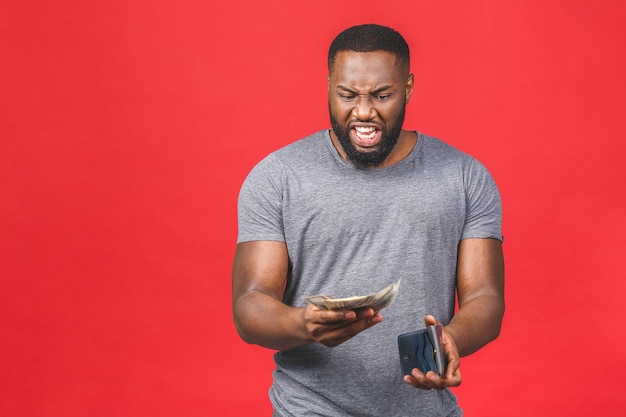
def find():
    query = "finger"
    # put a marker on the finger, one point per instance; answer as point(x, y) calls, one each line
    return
point(453, 378)
point(437, 381)
point(326, 316)
point(337, 316)
point(362, 324)
point(364, 312)
point(453, 373)
point(333, 334)
point(417, 379)
point(370, 315)
point(413, 381)
point(350, 330)
point(432, 380)
point(454, 360)
point(453, 365)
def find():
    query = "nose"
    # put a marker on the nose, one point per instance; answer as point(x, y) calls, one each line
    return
point(363, 109)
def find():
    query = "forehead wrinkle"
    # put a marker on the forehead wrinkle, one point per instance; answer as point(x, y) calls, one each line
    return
point(367, 72)
point(366, 90)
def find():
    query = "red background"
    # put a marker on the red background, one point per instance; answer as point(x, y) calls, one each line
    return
point(127, 128)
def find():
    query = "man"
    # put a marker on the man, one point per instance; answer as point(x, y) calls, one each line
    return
point(348, 211)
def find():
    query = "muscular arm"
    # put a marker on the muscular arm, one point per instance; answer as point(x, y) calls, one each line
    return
point(259, 277)
point(480, 286)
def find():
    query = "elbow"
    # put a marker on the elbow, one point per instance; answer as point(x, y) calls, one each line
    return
point(498, 317)
point(245, 335)
point(242, 330)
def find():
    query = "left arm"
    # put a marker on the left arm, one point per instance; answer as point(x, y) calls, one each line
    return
point(480, 287)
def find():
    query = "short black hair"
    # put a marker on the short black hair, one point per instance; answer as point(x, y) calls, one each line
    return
point(370, 38)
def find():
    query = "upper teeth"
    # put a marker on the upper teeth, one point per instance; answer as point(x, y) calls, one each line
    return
point(365, 132)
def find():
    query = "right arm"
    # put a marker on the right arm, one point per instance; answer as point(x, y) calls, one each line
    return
point(259, 278)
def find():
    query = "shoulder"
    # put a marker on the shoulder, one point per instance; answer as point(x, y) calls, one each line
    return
point(439, 153)
point(302, 154)
point(304, 148)
point(437, 148)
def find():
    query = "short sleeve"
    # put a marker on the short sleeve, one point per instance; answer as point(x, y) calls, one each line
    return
point(259, 207)
point(484, 206)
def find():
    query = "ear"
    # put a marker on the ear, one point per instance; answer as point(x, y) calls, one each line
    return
point(410, 83)
point(328, 79)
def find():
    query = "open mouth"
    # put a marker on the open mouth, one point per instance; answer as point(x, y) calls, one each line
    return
point(365, 136)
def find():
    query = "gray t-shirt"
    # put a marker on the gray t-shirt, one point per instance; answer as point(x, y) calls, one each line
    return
point(352, 231)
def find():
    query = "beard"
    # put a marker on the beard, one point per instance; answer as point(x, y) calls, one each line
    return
point(371, 159)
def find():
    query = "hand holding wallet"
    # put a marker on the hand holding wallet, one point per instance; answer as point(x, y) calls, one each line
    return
point(423, 350)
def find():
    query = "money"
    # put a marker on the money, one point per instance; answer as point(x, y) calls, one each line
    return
point(376, 301)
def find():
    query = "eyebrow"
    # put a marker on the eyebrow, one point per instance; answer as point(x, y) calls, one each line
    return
point(378, 90)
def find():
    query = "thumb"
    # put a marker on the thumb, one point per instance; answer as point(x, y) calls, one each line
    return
point(430, 320)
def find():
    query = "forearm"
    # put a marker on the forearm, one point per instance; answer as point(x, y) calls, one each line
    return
point(263, 320)
point(477, 323)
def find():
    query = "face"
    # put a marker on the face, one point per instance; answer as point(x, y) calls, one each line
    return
point(367, 96)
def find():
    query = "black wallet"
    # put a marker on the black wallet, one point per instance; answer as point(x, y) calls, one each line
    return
point(422, 349)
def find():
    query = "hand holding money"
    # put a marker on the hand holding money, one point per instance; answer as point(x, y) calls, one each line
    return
point(376, 301)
